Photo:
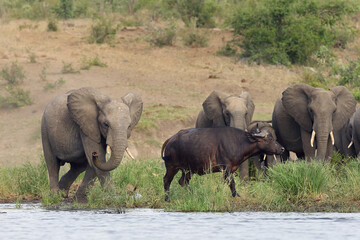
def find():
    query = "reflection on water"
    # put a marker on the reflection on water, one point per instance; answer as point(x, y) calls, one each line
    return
point(33, 222)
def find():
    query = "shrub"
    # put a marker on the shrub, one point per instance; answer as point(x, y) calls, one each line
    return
point(163, 36)
point(103, 31)
point(17, 97)
point(88, 63)
point(350, 74)
point(201, 10)
point(64, 9)
point(195, 38)
point(13, 75)
point(56, 84)
point(52, 25)
point(289, 31)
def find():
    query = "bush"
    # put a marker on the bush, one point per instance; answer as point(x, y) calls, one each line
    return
point(17, 97)
point(350, 74)
point(13, 75)
point(195, 39)
point(289, 31)
point(201, 10)
point(65, 9)
point(163, 36)
point(103, 31)
point(52, 25)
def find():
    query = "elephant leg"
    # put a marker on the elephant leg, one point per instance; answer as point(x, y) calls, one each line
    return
point(285, 156)
point(169, 176)
point(244, 170)
point(52, 163)
point(103, 176)
point(70, 176)
point(187, 178)
point(87, 181)
point(300, 155)
point(182, 179)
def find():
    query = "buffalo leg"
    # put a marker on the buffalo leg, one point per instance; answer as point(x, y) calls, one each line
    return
point(169, 176)
point(228, 177)
point(185, 178)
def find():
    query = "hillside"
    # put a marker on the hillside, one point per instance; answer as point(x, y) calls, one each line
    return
point(178, 76)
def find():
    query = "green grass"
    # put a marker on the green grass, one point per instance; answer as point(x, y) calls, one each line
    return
point(153, 114)
point(298, 186)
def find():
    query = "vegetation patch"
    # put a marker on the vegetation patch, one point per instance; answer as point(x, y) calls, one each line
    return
point(161, 37)
point(88, 63)
point(103, 31)
point(14, 75)
point(152, 114)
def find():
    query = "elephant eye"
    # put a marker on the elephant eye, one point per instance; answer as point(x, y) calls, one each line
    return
point(106, 124)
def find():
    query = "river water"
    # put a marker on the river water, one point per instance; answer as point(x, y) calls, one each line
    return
point(33, 222)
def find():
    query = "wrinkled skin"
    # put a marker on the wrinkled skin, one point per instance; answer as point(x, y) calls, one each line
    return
point(263, 161)
point(199, 150)
point(221, 109)
point(82, 123)
point(303, 110)
point(356, 132)
point(344, 139)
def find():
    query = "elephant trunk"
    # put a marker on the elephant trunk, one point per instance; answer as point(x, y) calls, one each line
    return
point(322, 145)
point(238, 121)
point(117, 147)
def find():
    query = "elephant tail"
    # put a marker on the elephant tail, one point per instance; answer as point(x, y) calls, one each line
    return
point(165, 158)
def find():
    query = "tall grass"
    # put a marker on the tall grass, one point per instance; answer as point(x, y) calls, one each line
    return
point(299, 186)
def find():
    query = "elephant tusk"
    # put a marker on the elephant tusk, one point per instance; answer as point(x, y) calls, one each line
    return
point(108, 152)
point(129, 153)
point(264, 157)
point(350, 144)
point(108, 149)
point(332, 138)
point(312, 138)
point(275, 158)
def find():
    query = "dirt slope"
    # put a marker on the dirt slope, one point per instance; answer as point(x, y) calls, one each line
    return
point(176, 75)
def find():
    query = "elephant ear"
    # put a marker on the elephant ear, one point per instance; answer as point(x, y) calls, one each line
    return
point(345, 106)
point(295, 100)
point(135, 104)
point(213, 107)
point(84, 105)
point(249, 105)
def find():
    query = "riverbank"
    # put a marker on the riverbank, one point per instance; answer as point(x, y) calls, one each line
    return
point(294, 186)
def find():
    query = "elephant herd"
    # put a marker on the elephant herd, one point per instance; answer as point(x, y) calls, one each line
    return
point(83, 127)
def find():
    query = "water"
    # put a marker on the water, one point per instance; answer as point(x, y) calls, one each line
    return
point(33, 222)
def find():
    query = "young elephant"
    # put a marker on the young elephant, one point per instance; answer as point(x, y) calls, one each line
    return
point(344, 139)
point(79, 127)
point(201, 150)
point(264, 161)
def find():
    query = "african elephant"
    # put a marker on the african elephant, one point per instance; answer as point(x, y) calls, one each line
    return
point(79, 127)
point(263, 161)
point(344, 139)
point(356, 133)
point(305, 114)
point(221, 109)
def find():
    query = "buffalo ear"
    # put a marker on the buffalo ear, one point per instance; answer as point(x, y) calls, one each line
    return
point(345, 106)
point(213, 107)
point(84, 105)
point(295, 100)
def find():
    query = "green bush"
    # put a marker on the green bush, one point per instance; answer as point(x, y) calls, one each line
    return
point(17, 97)
point(163, 36)
point(103, 31)
point(290, 31)
point(201, 10)
point(13, 75)
point(196, 39)
point(350, 74)
point(52, 25)
point(65, 9)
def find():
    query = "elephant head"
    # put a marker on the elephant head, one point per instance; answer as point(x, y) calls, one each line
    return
point(229, 110)
point(104, 123)
point(319, 112)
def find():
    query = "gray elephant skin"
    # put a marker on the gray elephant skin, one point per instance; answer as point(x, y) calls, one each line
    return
point(79, 127)
point(305, 118)
point(221, 109)
point(356, 133)
point(263, 161)
point(344, 139)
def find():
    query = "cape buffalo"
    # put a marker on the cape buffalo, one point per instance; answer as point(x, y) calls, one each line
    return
point(204, 150)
